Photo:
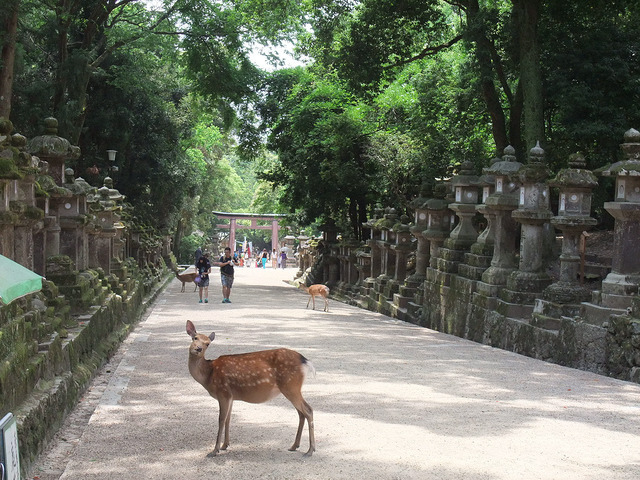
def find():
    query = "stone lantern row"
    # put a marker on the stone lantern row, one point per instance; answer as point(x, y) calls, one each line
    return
point(64, 215)
point(510, 203)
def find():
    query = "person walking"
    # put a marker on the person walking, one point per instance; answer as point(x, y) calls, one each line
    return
point(226, 264)
point(203, 268)
point(263, 257)
point(274, 259)
point(283, 259)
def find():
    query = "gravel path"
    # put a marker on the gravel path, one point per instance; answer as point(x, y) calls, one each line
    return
point(391, 401)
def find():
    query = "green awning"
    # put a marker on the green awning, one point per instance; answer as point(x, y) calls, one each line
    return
point(16, 281)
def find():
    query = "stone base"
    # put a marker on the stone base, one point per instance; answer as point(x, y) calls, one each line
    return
point(514, 310)
point(598, 315)
point(609, 300)
point(472, 272)
point(549, 315)
point(449, 259)
point(618, 284)
point(566, 293)
point(488, 289)
point(528, 282)
point(497, 275)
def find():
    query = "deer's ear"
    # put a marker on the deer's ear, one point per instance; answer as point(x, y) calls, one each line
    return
point(212, 336)
point(191, 329)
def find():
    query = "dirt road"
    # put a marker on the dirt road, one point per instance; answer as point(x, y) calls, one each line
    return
point(391, 401)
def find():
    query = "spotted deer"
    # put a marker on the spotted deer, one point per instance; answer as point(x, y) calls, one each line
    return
point(187, 278)
point(255, 377)
point(317, 290)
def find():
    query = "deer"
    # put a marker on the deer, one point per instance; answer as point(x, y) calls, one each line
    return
point(255, 377)
point(187, 278)
point(317, 290)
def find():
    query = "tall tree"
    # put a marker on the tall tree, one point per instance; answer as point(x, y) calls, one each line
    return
point(8, 30)
point(319, 131)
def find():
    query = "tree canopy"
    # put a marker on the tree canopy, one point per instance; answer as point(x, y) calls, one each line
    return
point(392, 94)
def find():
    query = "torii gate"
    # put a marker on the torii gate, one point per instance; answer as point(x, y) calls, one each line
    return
point(254, 218)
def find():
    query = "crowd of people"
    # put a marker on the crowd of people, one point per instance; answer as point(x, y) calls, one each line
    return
point(227, 262)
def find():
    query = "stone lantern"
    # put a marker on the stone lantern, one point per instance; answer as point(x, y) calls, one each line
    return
point(374, 246)
point(503, 201)
point(533, 213)
point(421, 216)
point(387, 238)
point(624, 278)
point(466, 191)
point(402, 247)
point(439, 221)
point(479, 257)
point(53, 149)
point(575, 185)
point(401, 292)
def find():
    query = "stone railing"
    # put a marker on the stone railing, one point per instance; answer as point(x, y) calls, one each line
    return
point(509, 283)
point(53, 341)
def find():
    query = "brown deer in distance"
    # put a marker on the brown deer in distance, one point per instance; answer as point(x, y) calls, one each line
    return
point(251, 377)
point(187, 278)
point(317, 290)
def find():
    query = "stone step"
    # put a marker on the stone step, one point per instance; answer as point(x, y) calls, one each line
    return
point(597, 314)
point(546, 322)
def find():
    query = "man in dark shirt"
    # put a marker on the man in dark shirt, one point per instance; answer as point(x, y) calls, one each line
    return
point(226, 263)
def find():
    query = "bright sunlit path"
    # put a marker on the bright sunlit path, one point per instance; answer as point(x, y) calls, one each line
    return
point(391, 400)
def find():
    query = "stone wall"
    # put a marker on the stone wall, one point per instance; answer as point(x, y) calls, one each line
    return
point(50, 354)
point(490, 261)
point(100, 276)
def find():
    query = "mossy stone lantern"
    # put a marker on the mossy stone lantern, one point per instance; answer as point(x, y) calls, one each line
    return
point(439, 221)
point(575, 185)
point(466, 198)
point(624, 278)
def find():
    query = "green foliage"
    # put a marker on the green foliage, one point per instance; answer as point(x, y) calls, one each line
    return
point(393, 98)
point(319, 131)
point(592, 77)
point(385, 32)
point(188, 246)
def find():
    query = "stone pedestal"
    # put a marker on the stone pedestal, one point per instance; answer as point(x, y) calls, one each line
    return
point(528, 282)
point(464, 234)
point(623, 282)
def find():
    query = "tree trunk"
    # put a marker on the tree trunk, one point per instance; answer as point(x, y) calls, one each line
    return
point(9, 19)
point(483, 57)
point(515, 123)
point(526, 14)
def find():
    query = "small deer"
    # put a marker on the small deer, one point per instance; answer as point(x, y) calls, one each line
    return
point(187, 278)
point(251, 377)
point(315, 290)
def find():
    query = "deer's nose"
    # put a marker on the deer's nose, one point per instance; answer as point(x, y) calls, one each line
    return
point(198, 349)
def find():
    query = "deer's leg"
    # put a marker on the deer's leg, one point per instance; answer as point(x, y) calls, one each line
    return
point(307, 411)
point(326, 304)
point(223, 420)
point(304, 412)
point(296, 442)
point(308, 301)
point(226, 428)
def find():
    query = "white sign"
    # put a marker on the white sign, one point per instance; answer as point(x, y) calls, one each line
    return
point(9, 457)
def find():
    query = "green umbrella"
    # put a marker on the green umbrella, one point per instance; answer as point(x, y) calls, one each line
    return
point(16, 281)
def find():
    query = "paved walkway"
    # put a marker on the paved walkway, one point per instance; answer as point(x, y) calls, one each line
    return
point(391, 401)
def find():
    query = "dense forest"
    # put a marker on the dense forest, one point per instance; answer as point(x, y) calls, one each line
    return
point(384, 95)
